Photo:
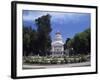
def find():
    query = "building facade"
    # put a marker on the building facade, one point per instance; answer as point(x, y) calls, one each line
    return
point(57, 45)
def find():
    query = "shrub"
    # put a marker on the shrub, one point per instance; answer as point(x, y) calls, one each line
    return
point(76, 60)
point(54, 60)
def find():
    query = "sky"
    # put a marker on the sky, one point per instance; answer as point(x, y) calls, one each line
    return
point(67, 23)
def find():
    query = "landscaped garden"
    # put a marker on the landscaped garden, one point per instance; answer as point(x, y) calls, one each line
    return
point(54, 60)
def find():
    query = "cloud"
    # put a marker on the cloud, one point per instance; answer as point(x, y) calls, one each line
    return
point(60, 18)
point(32, 15)
point(28, 16)
point(55, 16)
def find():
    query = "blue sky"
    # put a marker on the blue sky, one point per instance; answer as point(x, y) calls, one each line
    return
point(67, 23)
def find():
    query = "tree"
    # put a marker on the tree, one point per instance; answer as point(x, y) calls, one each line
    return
point(43, 32)
point(66, 42)
point(82, 42)
point(26, 40)
point(33, 42)
point(37, 42)
point(29, 41)
point(69, 46)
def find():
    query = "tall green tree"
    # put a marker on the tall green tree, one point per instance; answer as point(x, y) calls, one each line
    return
point(82, 42)
point(43, 30)
point(26, 40)
point(29, 41)
point(37, 42)
point(66, 43)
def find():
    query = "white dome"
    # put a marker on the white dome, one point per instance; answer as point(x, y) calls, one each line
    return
point(58, 37)
point(58, 40)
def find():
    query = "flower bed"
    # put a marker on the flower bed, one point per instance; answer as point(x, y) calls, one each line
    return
point(53, 60)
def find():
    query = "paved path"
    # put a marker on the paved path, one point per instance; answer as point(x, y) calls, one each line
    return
point(41, 66)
